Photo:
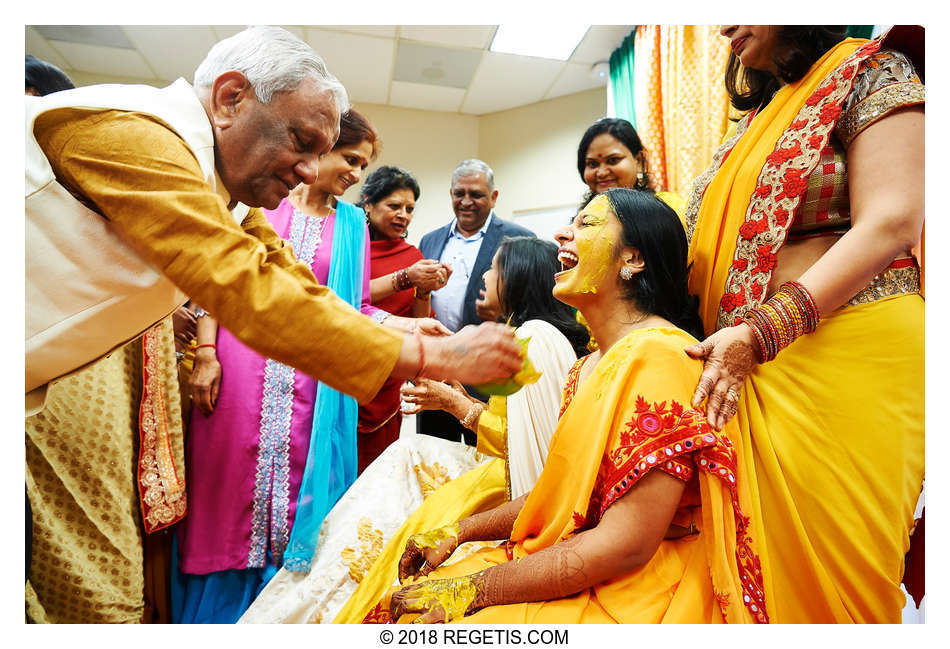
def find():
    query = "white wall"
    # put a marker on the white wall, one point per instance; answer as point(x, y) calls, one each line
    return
point(533, 150)
point(429, 144)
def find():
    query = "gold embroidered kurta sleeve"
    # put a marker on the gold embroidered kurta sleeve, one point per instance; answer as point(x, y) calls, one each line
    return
point(143, 178)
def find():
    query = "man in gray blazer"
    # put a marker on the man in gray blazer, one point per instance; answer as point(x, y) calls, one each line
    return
point(467, 245)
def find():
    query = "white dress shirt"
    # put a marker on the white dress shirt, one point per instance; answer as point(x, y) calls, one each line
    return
point(460, 253)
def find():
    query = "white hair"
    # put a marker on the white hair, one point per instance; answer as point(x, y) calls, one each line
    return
point(473, 167)
point(273, 60)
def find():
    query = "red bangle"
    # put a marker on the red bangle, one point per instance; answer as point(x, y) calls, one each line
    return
point(402, 279)
point(422, 355)
point(211, 345)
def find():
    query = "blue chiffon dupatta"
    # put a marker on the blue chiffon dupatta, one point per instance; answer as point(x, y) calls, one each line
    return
point(332, 459)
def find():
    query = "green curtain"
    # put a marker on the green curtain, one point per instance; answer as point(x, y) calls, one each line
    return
point(860, 31)
point(621, 78)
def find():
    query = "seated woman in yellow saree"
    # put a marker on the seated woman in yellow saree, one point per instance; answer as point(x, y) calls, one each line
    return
point(639, 514)
point(801, 233)
point(421, 482)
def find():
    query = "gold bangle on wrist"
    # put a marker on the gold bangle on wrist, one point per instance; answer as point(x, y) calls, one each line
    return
point(471, 417)
point(421, 295)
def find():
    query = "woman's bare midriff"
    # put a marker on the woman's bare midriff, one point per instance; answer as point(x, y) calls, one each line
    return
point(796, 257)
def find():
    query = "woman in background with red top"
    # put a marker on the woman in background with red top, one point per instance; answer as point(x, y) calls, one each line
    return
point(400, 283)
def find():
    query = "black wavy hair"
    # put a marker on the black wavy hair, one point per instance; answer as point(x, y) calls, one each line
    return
point(45, 77)
point(661, 288)
point(626, 134)
point(798, 48)
point(527, 267)
point(384, 181)
point(381, 183)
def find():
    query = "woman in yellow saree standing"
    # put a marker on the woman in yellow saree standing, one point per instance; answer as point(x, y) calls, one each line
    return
point(800, 239)
point(639, 514)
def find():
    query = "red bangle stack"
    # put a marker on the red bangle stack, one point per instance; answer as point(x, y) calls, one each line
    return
point(778, 322)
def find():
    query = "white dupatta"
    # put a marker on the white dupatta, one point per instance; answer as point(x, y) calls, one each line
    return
point(533, 410)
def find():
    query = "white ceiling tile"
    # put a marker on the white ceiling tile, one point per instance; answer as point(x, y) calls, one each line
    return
point(576, 77)
point(41, 49)
point(363, 63)
point(105, 60)
point(599, 42)
point(435, 65)
point(426, 97)
point(505, 80)
point(477, 36)
point(191, 45)
point(385, 31)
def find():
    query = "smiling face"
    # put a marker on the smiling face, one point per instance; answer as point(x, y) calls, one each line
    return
point(391, 215)
point(343, 167)
point(588, 253)
point(754, 45)
point(472, 202)
point(609, 163)
point(265, 150)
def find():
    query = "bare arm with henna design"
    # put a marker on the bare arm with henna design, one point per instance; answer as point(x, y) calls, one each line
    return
point(493, 525)
point(626, 537)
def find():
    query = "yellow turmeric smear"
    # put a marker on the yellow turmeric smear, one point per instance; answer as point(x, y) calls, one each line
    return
point(433, 538)
point(453, 595)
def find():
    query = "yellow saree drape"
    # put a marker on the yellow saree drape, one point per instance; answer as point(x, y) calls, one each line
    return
point(516, 429)
point(630, 416)
point(836, 422)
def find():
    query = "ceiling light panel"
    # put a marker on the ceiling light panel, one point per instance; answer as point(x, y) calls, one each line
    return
point(102, 35)
point(546, 42)
point(435, 66)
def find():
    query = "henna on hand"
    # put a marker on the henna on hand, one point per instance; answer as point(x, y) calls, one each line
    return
point(453, 596)
point(426, 551)
point(739, 359)
point(555, 572)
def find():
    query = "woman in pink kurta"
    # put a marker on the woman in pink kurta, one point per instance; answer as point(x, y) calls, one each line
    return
point(247, 448)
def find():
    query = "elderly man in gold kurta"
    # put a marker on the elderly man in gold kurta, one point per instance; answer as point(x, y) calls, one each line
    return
point(144, 201)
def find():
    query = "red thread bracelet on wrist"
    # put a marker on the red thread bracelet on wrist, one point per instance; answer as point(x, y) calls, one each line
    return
point(211, 345)
point(422, 354)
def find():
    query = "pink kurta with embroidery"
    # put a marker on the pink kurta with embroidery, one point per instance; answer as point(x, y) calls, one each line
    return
point(245, 461)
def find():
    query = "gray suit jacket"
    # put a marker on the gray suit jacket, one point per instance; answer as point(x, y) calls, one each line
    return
point(433, 244)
